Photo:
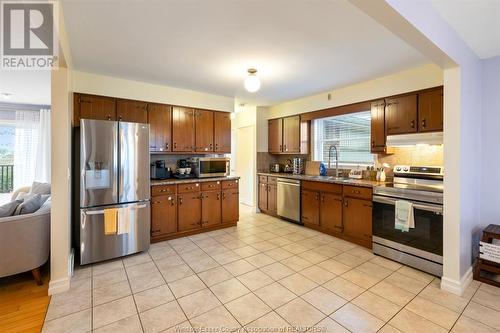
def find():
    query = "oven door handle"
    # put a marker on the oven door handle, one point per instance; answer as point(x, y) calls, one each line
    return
point(418, 205)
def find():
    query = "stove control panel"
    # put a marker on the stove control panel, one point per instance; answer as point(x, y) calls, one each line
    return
point(419, 170)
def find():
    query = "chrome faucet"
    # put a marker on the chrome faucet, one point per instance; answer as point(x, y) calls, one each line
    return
point(336, 159)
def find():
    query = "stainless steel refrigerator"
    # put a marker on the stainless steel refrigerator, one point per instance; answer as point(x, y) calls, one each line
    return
point(114, 185)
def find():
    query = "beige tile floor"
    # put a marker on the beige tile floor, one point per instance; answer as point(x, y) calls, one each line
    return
point(265, 275)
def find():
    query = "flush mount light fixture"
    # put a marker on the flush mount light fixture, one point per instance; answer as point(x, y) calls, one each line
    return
point(252, 82)
point(5, 96)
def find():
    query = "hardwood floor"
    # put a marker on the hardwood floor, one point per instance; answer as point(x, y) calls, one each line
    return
point(23, 304)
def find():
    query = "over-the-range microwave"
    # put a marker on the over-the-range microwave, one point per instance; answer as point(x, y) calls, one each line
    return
point(205, 167)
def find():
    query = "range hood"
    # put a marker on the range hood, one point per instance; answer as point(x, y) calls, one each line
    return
point(405, 140)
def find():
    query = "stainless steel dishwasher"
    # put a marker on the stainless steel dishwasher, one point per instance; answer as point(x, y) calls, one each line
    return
point(289, 199)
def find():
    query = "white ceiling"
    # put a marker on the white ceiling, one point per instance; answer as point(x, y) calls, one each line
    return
point(476, 21)
point(298, 47)
point(26, 86)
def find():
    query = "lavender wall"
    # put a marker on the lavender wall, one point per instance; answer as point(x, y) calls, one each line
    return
point(490, 179)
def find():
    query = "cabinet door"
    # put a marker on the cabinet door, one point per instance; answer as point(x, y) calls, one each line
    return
point(291, 135)
point(263, 193)
point(330, 218)
point(378, 126)
point(430, 111)
point(230, 206)
point(182, 129)
point(160, 127)
point(204, 130)
point(275, 135)
point(132, 111)
point(94, 107)
point(210, 208)
point(222, 132)
point(272, 198)
point(401, 115)
point(163, 215)
point(189, 211)
point(358, 219)
point(310, 207)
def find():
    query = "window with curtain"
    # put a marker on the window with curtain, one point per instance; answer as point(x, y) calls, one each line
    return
point(24, 145)
point(350, 133)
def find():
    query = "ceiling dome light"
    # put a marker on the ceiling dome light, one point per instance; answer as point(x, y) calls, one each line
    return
point(252, 82)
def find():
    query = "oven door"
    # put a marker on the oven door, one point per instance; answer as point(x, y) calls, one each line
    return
point(212, 167)
point(425, 240)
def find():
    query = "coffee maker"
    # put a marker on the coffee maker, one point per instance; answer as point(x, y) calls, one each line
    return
point(159, 170)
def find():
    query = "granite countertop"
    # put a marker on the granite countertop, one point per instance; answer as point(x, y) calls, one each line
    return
point(174, 181)
point(326, 179)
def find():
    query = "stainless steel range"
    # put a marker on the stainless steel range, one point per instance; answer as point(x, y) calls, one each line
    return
point(422, 246)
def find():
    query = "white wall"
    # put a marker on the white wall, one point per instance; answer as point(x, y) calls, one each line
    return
point(245, 137)
point(111, 86)
point(490, 182)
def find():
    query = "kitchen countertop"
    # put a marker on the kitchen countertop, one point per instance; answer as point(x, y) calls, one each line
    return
point(325, 179)
point(174, 181)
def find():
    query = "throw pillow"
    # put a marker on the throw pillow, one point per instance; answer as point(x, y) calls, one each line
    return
point(40, 188)
point(45, 206)
point(29, 206)
point(25, 196)
point(9, 208)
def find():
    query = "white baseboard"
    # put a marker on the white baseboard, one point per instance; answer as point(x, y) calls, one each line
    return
point(457, 287)
point(59, 286)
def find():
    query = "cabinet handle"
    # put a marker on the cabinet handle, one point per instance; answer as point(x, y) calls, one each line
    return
point(109, 117)
point(180, 201)
point(346, 203)
point(373, 144)
point(322, 198)
point(175, 144)
point(339, 200)
point(223, 195)
point(216, 146)
point(412, 124)
point(317, 196)
point(156, 202)
point(218, 196)
point(172, 203)
point(424, 123)
point(281, 148)
point(166, 145)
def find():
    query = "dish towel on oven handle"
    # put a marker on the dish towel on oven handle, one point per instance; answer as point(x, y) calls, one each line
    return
point(404, 219)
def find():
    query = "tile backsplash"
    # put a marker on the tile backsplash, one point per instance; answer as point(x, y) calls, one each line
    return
point(417, 155)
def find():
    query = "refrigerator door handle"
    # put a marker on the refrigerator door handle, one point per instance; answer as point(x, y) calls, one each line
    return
point(98, 212)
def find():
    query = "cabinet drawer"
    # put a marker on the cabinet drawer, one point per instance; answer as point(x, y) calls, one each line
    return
point(211, 186)
point(358, 192)
point(191, 187)
point(163, 189)
point(272, 180)
point(263, 179)
point(229, 184)
point(322, 187)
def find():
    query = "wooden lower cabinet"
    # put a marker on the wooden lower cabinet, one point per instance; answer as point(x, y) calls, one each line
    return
point(268, 195)
point(189, 216)
point(331, 212)
point(357, 217)
point(310, 208)
point(180, 210)
point(230, 205)
point(211, 208)
point(163, 215)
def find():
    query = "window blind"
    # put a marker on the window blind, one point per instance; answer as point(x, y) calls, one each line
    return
point(349, 132)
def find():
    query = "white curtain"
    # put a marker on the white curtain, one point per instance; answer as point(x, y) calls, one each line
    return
point(32, 147)
point(42, 166)
point(25, 147)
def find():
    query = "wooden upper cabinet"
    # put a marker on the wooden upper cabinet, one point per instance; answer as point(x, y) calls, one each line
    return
point(430, 111)
point(160, 127)
point(222, 132)
point(310, 207)
point(378, 126)
point(131, 111)
point(204, 130)
point(291, 135)
point(275, 135)
point(401, 115)
point(182, 129)
point(93, 107)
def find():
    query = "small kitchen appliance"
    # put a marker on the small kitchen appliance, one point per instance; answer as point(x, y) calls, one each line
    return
point(159, 170)
point(288, 168)
point(298, 166)
point(205, 167)
point(275, 167)
point(422, 246)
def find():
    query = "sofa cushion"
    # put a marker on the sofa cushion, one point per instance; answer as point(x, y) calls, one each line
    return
point(9, 208)
point(29, 206)
point(40, 188)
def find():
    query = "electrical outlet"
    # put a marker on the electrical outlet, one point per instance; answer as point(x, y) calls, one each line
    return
point(329, 96)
